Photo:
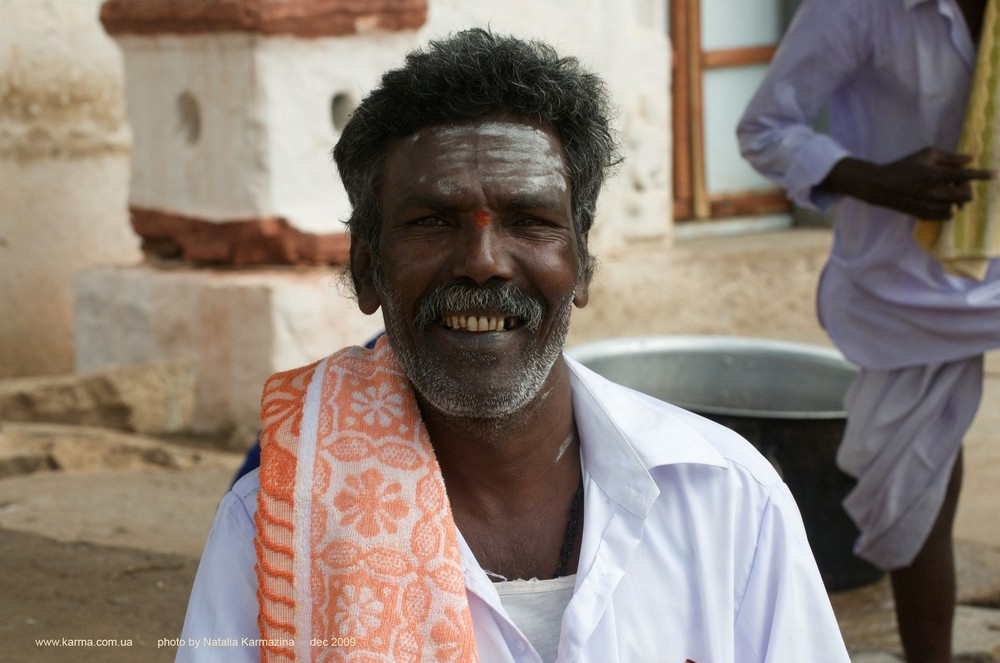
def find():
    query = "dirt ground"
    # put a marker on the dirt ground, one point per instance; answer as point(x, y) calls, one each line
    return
point(82, 592)
point(97, 566)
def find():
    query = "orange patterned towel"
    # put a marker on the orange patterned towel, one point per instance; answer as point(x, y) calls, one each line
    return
point(357, 551)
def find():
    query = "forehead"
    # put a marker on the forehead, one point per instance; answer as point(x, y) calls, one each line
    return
point(446, 158)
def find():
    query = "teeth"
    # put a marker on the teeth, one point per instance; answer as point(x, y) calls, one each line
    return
point(474, 323)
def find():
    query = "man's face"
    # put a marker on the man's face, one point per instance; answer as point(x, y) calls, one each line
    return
point(478, 263)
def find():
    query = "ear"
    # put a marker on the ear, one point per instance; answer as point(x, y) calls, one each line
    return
point(362, 273)
point(582, 293)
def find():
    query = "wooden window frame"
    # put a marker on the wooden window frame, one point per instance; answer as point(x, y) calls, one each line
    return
point(692, 201)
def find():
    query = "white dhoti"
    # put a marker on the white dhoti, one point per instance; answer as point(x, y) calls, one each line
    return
point(904, 432)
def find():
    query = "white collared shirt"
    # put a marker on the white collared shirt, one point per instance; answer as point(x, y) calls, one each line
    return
point(693, 549)
point(895, 75)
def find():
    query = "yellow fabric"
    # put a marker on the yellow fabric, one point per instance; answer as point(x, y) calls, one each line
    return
point(357, 551)
point(965, 243)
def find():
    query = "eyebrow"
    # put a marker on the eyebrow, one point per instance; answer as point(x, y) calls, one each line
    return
point(419, 200)
point(534, 201)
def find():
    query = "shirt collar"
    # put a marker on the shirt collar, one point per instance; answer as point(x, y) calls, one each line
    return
point(624, 434)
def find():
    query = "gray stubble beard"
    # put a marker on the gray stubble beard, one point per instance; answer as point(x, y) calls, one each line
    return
point(449, 396)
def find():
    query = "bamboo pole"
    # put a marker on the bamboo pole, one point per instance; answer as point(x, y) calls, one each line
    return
point(702, 206)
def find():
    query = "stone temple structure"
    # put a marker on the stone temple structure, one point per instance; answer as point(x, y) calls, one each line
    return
point(234, 107)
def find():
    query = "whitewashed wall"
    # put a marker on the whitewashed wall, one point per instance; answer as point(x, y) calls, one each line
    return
point(239, 126)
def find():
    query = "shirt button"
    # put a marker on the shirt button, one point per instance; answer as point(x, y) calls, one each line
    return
point(520, 646)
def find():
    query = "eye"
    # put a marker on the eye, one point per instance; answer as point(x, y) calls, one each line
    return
point(541, 222)
point(533, 221)
point(430, 221)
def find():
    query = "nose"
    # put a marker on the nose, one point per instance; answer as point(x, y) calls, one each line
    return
point(482, 254)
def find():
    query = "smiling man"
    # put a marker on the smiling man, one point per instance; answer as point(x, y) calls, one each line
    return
point(463, 491)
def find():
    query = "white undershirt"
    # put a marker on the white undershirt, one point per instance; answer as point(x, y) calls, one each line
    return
point(537, 607)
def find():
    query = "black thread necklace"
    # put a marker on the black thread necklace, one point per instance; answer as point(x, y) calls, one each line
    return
point(572, 525)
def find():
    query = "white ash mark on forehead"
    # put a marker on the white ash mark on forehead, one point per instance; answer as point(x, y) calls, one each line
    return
point(544, 168)
point(519, 184)
point(447, 187)
point(521, 152)
point(521, 156)
point(512, 130)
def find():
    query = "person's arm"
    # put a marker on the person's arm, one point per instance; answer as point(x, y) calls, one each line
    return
point(927, 184)
point(222, 610)
point(785, 613)
point(826, 45)
point(823, 48)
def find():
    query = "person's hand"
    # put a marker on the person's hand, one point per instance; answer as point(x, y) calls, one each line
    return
point(928, 184)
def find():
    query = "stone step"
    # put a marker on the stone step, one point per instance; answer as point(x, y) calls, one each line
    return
point(28, 448)
point(149, 398)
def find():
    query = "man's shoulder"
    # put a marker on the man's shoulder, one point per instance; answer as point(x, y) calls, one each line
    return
point(739, 454)
point(857, 8)
point(664, 434)
point(863, 19)
point(243, 494)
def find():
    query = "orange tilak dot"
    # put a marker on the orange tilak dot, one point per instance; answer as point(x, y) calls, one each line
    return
point(482, 218)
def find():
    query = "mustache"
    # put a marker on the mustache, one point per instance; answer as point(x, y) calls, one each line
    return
point(508, 300)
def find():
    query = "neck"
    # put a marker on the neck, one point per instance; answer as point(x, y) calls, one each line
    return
point(511, 482)
point(511, 458)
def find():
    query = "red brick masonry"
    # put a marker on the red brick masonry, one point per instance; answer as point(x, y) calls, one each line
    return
point(301, 18)
point(270, 241)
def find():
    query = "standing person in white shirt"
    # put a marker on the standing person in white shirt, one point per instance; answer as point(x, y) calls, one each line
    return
point(464, 491)
point(895, 76)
